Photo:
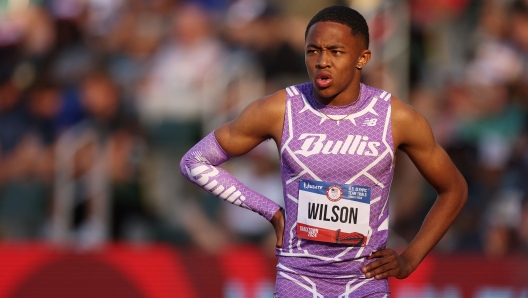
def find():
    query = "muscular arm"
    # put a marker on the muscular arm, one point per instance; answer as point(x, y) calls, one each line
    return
point(261, 120)
point(412, 134)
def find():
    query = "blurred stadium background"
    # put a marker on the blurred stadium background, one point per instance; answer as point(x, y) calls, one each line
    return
point(99, 99)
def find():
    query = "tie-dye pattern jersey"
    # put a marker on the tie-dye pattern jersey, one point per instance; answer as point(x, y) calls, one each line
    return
point(355, 150)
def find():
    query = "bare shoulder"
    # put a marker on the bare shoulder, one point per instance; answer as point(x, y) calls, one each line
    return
point(260, 120)
point(403, 113)
point(265, 115)
point(273, 105)
point(408, 125)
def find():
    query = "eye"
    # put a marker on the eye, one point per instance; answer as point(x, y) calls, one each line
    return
point(336, 52)
point(311, 51)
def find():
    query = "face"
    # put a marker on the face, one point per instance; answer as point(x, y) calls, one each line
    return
point(100, 97)
point(332, 55)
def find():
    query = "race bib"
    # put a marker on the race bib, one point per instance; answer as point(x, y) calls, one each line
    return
point(333, 212)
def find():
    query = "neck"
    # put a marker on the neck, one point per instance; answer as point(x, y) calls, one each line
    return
point(340, 99)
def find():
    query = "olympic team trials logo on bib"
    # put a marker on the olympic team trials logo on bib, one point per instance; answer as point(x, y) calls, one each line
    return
point(334, 193)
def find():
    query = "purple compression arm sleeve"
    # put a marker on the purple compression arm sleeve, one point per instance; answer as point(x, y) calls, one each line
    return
point(200, 165)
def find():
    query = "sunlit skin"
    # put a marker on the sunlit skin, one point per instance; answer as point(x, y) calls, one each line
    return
point(333, 59)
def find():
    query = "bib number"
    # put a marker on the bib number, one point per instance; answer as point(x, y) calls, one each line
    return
point(333, 212)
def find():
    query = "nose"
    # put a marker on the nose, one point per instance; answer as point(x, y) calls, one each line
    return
point(322, 60)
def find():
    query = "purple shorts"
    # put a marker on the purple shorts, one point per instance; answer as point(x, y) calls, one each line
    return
point(291, 285)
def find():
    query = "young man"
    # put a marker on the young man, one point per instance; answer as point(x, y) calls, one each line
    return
point(336, 138)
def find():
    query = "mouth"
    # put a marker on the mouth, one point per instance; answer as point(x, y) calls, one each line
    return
point(323, 79)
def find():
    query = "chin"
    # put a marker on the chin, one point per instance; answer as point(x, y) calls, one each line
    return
point(326, 92)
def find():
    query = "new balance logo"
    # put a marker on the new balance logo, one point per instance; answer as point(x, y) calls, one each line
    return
point(317, 143)
point(370, 122)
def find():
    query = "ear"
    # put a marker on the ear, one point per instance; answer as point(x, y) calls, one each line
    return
point(363, 59)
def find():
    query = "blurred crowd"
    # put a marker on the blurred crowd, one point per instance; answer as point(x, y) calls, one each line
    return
point(100, 99)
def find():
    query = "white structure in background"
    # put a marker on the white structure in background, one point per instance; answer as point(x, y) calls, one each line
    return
point(389, 26)
point(75, 184)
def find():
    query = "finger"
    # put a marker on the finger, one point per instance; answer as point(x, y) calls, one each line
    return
point(381, 260)
point(381, 253)
point(379, 272)
point(376, 264)
point(387, 274)
point(376, 254)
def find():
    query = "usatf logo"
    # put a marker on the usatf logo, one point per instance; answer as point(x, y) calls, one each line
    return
point(311, 186)
point(334, 193)
point(354, 144)
point(370, 122)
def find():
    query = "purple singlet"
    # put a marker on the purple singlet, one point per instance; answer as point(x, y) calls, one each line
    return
point(328, 159)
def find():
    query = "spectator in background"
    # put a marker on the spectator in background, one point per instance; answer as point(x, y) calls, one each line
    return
point(45, 103)
point(171, 106)
point(123, 145)
point(270, 37)
point(98, 158)
point(492, 130)
point(14, 121)
point(519, 39)
point(522, 232)
point(25, 160)
point(132, 42)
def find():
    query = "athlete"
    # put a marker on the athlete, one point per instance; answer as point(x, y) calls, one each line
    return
point(336, 138)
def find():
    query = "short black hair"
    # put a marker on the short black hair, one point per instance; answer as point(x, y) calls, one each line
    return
point(520, 8)
point(343, 15)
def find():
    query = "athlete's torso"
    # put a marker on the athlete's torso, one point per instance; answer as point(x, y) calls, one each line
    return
point(357, 150)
